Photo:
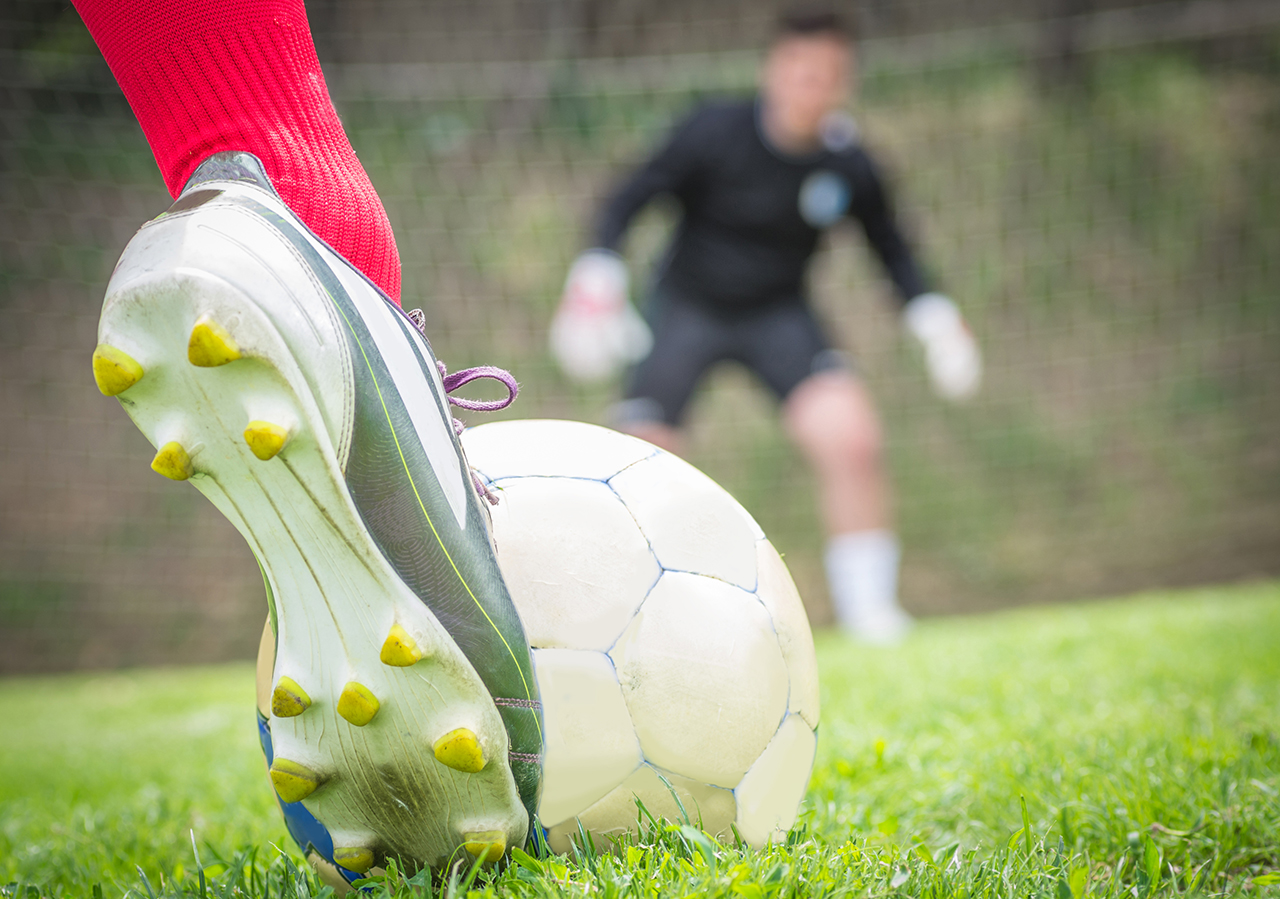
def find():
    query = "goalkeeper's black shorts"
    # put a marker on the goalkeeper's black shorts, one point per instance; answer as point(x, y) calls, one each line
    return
point(781, 344)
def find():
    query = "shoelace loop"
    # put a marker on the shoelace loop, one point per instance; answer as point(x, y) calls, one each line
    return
point(460, 378)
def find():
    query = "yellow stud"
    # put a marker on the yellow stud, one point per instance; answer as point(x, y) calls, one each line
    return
point(114, 370)
point(173, 462)
point(400, 650)
point(289, 700)
point(293, 782)
point(460, 750)
point(488, 846)
point(211, 345)
point(265, 439)
point(357, 704)
point(353, 858)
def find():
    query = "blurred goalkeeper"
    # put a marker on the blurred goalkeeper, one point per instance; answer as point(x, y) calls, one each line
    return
point(759, 182)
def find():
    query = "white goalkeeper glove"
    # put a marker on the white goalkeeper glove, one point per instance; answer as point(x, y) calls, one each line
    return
point(951, 353)
point(596, 331)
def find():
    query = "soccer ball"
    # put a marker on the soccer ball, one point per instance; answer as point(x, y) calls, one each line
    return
point(672, 652)
point(671, 648)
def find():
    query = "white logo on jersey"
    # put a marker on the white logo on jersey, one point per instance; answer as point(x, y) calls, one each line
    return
point(824, 198)
point(839, 132)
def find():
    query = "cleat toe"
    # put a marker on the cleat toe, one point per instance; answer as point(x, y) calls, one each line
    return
point(488, 845)
point(358, 704)
point(211, 344)
point(400, 650)
point(460, 750)
point(289, 700)
point(265, 439)
point(293, 781)
point(353, 858)
point(173, 462)
point(114, 370)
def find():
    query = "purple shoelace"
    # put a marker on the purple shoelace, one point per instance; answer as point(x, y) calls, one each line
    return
point(461, 378)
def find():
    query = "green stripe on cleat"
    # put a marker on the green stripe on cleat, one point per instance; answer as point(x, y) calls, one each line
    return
point(114, 370)
point(293, 782)
point(358, 704)
point(460, 750)
point(211, 344)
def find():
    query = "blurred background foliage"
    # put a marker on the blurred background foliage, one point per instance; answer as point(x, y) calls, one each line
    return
point(1095, 182)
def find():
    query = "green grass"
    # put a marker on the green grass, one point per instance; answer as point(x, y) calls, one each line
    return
point(1128, 748)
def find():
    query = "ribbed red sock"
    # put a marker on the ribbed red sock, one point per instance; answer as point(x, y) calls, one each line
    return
point(205, 76)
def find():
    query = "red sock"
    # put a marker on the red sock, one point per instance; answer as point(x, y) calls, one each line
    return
point(205, 76)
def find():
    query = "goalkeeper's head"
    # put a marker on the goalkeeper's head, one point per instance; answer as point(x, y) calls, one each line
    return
point(807, 75)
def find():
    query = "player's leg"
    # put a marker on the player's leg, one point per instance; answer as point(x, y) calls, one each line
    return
point(687, 341)
point(830, 416)
point(243, 334)
point(207, 76)
point(832, 419)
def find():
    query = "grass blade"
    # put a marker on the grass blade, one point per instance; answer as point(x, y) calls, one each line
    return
point(1026, 826)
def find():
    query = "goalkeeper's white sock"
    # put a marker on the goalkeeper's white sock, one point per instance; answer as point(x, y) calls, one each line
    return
point(862, 574)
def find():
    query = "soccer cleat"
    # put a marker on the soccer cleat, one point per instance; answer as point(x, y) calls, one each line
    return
point(259, 342)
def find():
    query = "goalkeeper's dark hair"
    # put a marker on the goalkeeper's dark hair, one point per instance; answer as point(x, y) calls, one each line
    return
point(813, 21)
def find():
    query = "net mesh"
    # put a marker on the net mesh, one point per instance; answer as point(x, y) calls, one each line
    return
point(1095, 183)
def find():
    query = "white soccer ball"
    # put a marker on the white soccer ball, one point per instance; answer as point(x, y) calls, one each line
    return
point(668, 638)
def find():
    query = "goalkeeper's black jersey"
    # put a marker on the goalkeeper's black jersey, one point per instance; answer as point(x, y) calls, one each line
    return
point(752, 216)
